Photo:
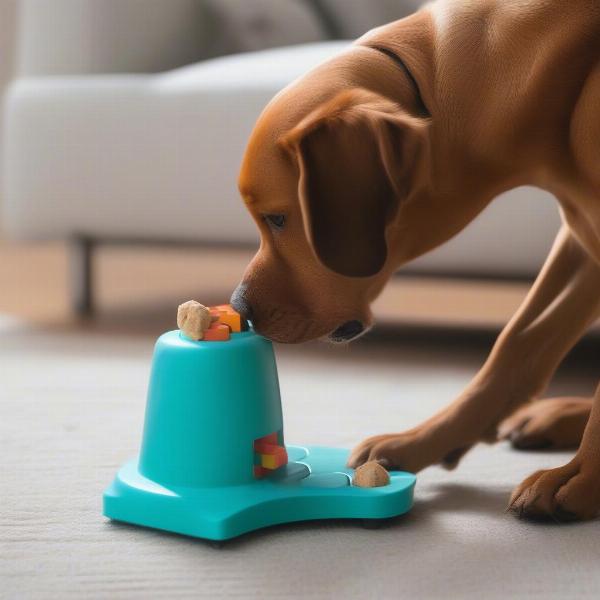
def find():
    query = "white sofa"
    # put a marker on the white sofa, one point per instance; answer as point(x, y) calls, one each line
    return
point(124, 124)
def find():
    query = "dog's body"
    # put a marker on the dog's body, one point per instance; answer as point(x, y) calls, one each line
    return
point(393, 147)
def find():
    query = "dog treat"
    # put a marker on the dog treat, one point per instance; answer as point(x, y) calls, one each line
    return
point(217, 332)
point(371, 474)
point(194, 319)
point(226, 315)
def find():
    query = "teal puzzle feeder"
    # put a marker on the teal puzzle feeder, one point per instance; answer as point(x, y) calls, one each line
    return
point(199, 473)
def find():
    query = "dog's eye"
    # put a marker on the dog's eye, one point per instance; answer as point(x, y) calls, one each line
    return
point(275, 221)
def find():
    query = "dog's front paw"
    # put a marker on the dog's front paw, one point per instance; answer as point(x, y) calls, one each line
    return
point(567, 493)
point(407, 451)
point(556, 423)
point(393, 451)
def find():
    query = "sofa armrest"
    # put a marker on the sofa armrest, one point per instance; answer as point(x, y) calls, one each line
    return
point(71, 37)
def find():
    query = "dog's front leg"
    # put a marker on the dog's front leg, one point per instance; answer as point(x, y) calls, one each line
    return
point(562, 303)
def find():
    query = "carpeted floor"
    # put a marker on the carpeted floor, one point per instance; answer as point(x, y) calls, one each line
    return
point(72, 404)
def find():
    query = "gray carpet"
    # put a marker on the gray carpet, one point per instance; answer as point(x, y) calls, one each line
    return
point(71, 411)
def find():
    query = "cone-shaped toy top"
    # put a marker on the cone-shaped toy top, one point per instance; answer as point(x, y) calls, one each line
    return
point(208, 401)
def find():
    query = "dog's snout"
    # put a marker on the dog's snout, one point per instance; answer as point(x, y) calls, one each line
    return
point(240, 303)
point(347, 331)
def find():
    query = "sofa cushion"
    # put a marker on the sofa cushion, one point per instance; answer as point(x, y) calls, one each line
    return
point(348, 19)
point(234, 26)
point(141, 156)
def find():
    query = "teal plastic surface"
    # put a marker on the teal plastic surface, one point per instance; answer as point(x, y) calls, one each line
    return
point(207, 404)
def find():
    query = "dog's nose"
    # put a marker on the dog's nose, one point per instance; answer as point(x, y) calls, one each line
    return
point(240, 303)
point(347, 331)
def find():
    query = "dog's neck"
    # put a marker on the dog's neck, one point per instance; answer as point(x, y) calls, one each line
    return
point(501, 79)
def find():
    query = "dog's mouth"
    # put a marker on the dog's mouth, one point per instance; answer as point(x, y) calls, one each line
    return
point(283, 325)
point(347, 332)
point(306, 330)
point(287, 330)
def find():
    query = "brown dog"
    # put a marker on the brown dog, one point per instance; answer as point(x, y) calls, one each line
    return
point(393, 147)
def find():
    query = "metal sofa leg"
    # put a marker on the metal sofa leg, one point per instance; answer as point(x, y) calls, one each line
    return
point(81, 276)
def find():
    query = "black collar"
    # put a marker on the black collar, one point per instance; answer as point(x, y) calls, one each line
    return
point(422, 107)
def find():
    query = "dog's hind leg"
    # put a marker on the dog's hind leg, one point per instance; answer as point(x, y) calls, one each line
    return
point(550, 424)
point(562, 304)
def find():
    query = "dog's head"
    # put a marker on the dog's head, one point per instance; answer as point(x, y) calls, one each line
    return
point(326, 193)
point(362, 165)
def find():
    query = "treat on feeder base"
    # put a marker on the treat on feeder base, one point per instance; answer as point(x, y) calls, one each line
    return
point(193, 319)
point(371, 474)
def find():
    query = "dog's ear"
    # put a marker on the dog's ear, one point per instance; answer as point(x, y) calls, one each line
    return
point(356, 156)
